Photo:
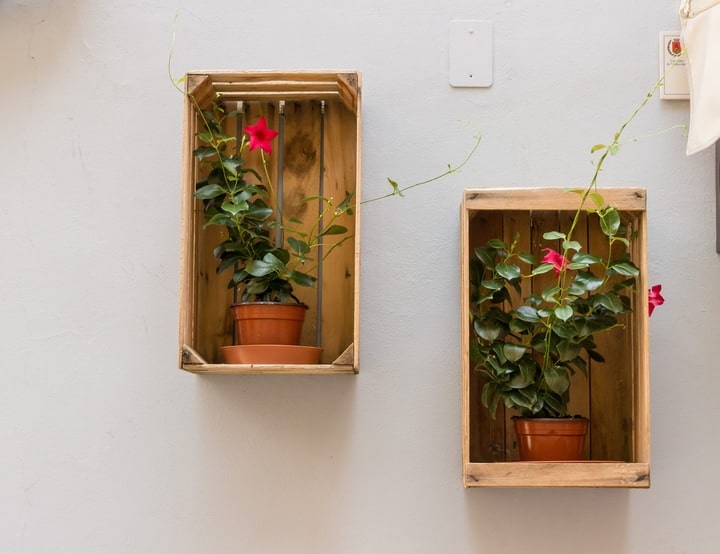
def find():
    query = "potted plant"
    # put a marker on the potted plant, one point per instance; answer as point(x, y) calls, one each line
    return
point(528, 346)
point(267, 252)
point(267, 255)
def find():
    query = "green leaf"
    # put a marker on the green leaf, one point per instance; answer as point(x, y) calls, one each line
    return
point(256, 286)
point(557, 379)
point(490, 398)
point(548, 295)
point(581, 365)
point(258, 268)
point(622, 240)
point(585, 258)
point(513, 352)
point(259, 212)
point(302, 279)
point(609, 301)
point(497, 243)
point(528, 258)
point(333, 230)
point(555, 404)
point(209, 191)
point(576, 289)
point(299, 246)
point(597, 199)
point(269, 264)
point(227, 263)
point(542, 268)
point(519, 326)
point(625, 268)
point(492, 284)
point(553, 235)
point(564, 330)
point(204, 152)
point(234, 208)
point(571, 245)
point(218, 219)
point(487, 331)
point(610, 221)
point(588, 281)
point(231, 165)
point(563, 313)
point(508, 271)
point(597, 147)
point(568, 350)
point(519, 382)
point(345, 206)
point(523, 398)
point(396, 189)
point(486, 256)
point(527, 313)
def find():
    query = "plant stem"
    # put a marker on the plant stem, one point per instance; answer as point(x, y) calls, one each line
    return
point(450, 171)
point(614, 146)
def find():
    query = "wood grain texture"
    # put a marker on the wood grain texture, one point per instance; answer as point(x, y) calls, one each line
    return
point(205, 321)
point(557, 474)
point(617, 395)
point(548, 199)
point(487, 435)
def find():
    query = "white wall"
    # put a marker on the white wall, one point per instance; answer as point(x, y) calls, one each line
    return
point(105, 446)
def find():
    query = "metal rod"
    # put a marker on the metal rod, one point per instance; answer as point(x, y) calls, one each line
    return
point(238, 141)
point(321, 207)
point(279, 178)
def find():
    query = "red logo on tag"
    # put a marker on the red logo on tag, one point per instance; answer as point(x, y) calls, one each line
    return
point(674, 47)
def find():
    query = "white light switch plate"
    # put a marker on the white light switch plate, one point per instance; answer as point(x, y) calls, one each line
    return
point(674, 65)
point(471, 56)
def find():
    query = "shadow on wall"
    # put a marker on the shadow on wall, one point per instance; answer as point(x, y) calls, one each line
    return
point(564, 521)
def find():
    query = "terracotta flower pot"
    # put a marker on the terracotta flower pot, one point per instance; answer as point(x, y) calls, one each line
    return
point(269, 322)
point(551, 439)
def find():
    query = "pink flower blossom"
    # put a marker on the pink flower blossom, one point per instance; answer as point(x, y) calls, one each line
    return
point(558, 261)
point(654, 298)
point(260, 136)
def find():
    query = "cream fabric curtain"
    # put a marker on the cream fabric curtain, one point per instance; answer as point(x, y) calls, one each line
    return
point(700, 35)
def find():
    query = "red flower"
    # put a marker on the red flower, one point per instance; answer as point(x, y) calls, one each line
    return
point(558, 261)
point(654, 298)
point(260, 136)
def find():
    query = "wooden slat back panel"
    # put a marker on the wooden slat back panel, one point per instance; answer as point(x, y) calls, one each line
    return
point(340, 267)
point(614, 396)
point(487, 435)
point(611, 380)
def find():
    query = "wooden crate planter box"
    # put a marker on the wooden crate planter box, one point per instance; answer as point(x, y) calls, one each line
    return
point(308, 106)
point(616, 395)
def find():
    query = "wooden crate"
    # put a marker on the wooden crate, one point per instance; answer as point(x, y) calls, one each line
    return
point(616, 394)
point(308, 106)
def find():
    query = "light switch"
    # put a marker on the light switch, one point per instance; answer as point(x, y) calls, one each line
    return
point(673, 64)
point(471, 56)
